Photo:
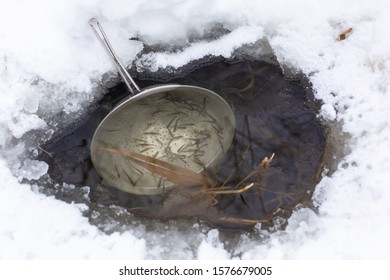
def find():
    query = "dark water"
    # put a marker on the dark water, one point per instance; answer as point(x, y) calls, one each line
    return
point(273, 115)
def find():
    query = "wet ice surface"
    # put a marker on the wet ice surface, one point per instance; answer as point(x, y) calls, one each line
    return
point(52, 69)
point(274, 115)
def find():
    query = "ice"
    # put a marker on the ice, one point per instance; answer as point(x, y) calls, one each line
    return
point(52, 68)
point(24, 123)
point(33, 169)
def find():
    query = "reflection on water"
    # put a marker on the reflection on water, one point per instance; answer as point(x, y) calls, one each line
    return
point(273, 116)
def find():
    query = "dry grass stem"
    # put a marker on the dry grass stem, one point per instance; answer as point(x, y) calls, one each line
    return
point(266, 161)
point(185, 177)
point(212, 191)
point(345, 34)
point(168, 171)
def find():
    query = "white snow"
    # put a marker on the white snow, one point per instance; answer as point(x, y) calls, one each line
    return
point(220, 47)
point(211, 248)
point(51, 63)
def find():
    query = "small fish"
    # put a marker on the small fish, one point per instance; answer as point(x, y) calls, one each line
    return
point(151, 133)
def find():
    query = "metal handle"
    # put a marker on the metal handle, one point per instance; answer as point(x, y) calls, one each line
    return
point(98, 30)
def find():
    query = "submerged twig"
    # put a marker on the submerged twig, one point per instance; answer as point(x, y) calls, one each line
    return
point(242, 221)
point(46, 152)
point(244, 189)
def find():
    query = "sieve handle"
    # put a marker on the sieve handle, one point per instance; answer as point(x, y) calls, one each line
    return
point(98, 30)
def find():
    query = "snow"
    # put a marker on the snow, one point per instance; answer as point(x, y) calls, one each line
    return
point(224, 47)
point(211, 249)
point(52, 67)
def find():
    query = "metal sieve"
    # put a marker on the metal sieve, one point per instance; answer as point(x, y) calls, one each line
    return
point(185, 125)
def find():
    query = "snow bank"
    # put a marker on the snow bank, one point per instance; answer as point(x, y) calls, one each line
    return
point(52, 68)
